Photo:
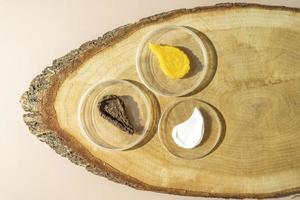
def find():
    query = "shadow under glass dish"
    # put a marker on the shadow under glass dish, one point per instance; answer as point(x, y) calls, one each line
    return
point(181, 111)
point(104, 134)
point(148, 66)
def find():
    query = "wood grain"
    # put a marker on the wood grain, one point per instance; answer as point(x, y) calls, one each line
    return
point(255, 88)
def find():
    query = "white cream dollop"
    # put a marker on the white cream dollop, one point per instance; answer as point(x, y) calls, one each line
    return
point(189, 133)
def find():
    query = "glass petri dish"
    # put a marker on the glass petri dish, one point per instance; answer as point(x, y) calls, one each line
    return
point(181, 111)
point(148, 66)
point(102, 133)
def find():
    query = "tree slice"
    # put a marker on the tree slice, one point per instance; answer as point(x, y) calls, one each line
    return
point(255, 88)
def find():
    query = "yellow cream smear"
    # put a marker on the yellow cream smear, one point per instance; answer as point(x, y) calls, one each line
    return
point(173, 62)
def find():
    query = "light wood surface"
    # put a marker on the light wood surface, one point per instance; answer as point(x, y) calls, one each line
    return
point(255, 88)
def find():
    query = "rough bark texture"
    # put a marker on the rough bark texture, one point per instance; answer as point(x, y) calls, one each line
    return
point(33, 101)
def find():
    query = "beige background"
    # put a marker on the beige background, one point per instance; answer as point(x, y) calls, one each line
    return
point(32, 34)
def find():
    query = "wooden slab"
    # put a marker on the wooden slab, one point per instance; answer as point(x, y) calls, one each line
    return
point(255, 88)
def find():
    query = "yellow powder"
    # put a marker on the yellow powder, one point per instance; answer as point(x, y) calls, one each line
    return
point(173, 62)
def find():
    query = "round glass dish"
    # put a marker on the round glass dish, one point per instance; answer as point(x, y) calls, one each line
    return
point(148, 66)
point(104, 134)
point(178, 113)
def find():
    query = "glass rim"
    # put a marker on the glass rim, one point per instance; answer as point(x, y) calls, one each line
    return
point(90, 139)
point(163, 116)
point(139, 63)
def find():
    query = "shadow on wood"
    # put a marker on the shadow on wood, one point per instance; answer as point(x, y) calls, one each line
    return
point(212, 60)
point(156, 114)
point(223, 128)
